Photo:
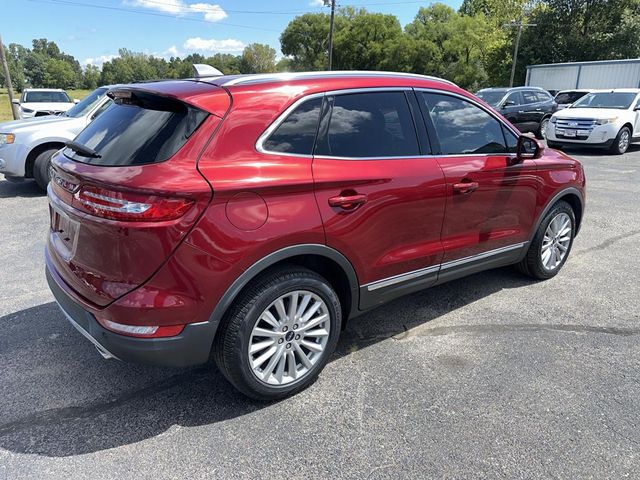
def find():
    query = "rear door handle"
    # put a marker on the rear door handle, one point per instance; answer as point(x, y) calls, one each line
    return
point(465, 187)
point(348, 202)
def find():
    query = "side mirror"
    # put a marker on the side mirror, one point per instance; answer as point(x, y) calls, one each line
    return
point(15, 101)
point(637, 107)
point(75, 100)
point(528, 148)
point(508, 103)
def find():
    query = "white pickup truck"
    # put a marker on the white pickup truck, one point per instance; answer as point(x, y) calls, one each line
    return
point(602, 118)
point(26, 146)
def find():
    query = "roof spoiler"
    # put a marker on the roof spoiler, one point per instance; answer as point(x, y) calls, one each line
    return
point(201, 70)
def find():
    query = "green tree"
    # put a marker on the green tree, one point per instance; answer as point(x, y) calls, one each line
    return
point(304, 41)
point(91, 77)
point(258, 58)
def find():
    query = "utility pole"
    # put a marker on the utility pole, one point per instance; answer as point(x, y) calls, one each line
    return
point(520, 26)
point(7, 77)
point(332, 4)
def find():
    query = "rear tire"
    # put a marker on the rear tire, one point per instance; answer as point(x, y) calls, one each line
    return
point(551, 244)
point(622, 141)
point(265, 347)
point(41, 167)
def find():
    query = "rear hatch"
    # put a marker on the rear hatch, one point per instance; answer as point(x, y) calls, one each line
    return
point(127, 190)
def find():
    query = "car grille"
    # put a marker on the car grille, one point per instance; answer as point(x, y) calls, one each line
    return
point(44, 113)
point(582, 126)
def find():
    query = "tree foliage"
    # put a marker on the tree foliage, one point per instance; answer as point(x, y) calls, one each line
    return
point(472, 46)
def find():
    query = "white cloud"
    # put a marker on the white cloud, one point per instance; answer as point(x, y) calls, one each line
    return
point(316, 3)
point(98, 61)
point(210, 11)
point(172, 51)
point(213, 45)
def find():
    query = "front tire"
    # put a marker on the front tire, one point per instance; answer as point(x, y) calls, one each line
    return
point(541, 134)
point(622, 141)
point(280, 334)
point(551, 244)
point(41, 168)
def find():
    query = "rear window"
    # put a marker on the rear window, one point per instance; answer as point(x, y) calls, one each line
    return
point(138, 128)
point(569, 97)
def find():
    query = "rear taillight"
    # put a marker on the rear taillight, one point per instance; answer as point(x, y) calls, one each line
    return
point(128, 206)
point(142, 331)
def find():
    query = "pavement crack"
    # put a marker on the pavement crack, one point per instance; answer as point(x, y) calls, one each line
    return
point(67, 414)
point(526, 327)
point(608, 242)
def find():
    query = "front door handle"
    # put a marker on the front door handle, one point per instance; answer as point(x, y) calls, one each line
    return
point(348, 202)
point(465, 187)
point(520, 111)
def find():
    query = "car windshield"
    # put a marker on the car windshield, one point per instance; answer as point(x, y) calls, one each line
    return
point(617, 100)
point(491, 97)
point(87, 103)
point(46, 97)
point(564, 98)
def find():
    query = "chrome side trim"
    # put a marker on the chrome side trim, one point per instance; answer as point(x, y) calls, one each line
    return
point(480, 256)
point(287, 76)
point(103, 351)
point(403, 277)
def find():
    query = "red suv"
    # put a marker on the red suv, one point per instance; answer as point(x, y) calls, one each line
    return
point(248, 217)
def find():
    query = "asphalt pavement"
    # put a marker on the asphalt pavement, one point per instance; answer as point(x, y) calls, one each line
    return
point(491, 376)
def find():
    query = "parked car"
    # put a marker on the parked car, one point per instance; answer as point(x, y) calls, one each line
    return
point(39, 102)
point(565, 98)
point(26, 146)
point(604, 118)
point(251, 216)
point(528, 108)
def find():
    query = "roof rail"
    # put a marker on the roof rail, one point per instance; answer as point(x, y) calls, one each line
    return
point(275, 77)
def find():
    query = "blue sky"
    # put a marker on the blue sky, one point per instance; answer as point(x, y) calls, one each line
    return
point(94, 30)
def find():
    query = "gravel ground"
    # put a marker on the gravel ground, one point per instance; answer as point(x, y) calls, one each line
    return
point(492, 376)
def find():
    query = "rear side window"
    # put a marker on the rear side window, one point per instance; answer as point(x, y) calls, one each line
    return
point(543, 96)
point(138, 128)
point(376, 124)
point(529, 97)
point(297, 133)
point(462, 127)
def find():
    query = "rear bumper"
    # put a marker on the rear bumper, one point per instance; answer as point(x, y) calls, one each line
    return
point(191, 347)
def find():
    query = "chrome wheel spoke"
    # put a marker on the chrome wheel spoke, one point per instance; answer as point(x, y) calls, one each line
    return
point(289, 337)
point(556, 241)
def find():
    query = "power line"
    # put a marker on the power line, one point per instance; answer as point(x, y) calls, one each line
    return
point(520, 26)
point(128, 10)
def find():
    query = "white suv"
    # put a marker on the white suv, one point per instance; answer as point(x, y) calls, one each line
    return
point(39, 102)
point(26, 146)
point(602, 118)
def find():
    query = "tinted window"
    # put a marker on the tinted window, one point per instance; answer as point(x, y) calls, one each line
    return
point(511, 139)
point(543, 96)
point(139, 129)
point(377, 124)
point(298, 131)
point(569, 97)
point(462, 127)
point(529, 97)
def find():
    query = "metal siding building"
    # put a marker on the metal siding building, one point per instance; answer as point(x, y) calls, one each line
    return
point(602, 74)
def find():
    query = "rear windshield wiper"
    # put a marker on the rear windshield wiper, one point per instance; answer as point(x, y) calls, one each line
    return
point(82, 150)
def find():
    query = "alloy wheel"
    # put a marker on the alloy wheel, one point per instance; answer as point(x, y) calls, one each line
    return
point(289, 338)
point(556, 241)
point(543, 128)
point(623, 143)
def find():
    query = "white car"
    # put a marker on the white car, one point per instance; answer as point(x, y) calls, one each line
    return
point(38, 102)
point(602, 118)
point(26, 146)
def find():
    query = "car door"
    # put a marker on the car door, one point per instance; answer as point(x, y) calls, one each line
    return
point(491, 198)
point(380, 196)
point(512, 110)
point(533, 111)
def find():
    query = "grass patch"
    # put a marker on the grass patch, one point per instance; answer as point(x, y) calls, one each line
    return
point(5, 106)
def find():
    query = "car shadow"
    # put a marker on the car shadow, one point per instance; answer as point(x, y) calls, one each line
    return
point(597, 152)
point(59, 398)
point(26, 189)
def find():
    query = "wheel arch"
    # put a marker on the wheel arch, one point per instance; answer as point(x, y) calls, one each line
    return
point(323, 260)
point(573, 197)
point(37, 150)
